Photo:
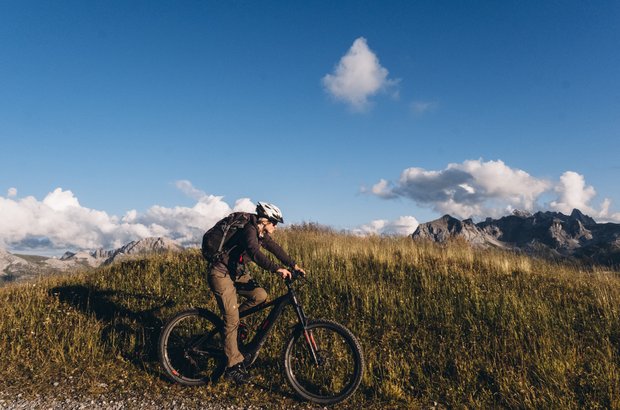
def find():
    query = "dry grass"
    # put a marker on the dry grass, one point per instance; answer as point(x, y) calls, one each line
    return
point(447, 324)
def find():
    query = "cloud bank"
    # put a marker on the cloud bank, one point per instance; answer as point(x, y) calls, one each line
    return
point(405, 225)
point(476, 188)
point(357, 76)
point(60, 222)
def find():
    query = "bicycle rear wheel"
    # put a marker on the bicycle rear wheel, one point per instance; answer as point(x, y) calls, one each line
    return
point(191, 347)
point(340, 362)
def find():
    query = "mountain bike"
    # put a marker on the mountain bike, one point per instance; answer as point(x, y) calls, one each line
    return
point(322, 360)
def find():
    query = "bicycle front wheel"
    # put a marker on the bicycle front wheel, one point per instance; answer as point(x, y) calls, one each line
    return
point(330, 375)
point(191, 347)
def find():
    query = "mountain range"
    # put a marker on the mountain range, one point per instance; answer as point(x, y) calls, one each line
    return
point(550, 234)
point(14, 267)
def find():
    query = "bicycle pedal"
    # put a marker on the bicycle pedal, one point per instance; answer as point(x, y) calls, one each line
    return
point(249, 360)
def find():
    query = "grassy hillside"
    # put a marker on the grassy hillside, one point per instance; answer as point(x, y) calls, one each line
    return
point(443, 324)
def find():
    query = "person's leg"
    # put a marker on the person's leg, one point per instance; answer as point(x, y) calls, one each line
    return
point(224, 289)
point(251, 290)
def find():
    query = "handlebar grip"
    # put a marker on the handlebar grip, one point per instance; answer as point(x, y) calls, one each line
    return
point(295, 274)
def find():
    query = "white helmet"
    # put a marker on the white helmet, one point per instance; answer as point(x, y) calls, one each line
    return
point(269, 211)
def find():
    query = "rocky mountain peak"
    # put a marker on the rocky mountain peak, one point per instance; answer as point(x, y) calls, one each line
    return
point(575, 235)
point(13, 267)
point(584, 219)
point(149, 245)
point(521, 214)
point(67, 255)
point(101, 253)
point(448, 227)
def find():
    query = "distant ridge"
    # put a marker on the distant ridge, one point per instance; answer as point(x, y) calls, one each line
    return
point(22, 267)
point(13, 267)
point(144, 247)
point(134, 248)
point(548, 233)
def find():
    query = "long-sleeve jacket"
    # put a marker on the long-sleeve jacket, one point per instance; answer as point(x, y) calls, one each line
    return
point(245, 246)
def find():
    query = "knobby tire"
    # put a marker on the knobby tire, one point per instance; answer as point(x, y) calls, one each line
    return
point(191, 347)
point(341, 362)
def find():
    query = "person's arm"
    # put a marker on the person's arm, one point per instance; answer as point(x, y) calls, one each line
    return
point(273, 247)
point(249, 241)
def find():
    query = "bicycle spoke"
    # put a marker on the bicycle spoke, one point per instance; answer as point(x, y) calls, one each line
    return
point(335, 373)
point(192, 349)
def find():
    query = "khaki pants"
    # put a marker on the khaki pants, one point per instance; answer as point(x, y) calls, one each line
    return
point(225, 290)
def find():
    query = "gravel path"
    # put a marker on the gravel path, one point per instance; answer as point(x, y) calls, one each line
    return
point(102, 403)
point(71, 398)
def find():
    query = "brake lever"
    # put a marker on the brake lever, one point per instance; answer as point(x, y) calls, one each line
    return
point(297, 276)
point(304, 278)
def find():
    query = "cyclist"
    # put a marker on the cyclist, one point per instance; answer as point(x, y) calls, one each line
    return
point(228, 277)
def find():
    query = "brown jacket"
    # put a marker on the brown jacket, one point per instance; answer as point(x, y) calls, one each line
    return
point(244, 246)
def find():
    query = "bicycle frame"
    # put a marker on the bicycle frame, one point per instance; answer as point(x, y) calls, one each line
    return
point(191, 349)
point(278, 304)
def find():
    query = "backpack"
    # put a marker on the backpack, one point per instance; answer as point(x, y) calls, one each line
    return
point(214, 240)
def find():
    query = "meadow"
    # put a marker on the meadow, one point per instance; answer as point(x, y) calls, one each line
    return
point(441, 326)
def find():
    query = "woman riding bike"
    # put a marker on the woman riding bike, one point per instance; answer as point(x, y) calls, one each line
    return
point(227, 276)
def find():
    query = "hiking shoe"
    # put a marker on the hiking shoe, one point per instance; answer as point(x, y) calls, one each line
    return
point(237, 374)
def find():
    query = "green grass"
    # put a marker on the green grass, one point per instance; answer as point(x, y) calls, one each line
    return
point(446, 324)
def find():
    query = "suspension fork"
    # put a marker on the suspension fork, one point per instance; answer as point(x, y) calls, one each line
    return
point(303, 320)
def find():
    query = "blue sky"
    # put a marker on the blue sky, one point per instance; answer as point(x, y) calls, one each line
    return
point(112, 104)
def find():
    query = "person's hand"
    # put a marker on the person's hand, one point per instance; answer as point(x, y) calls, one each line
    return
point(300, 269)
point(285, 273)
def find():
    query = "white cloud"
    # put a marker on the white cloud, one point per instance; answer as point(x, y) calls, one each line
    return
point(476, 188)
point(473, 188)
point(494, 180)
point(11, 193)
point(60, 222)
point(404, 225)
point(60, 200)
point(244, 205)
point(358, 76)
point(383, 189)
point(574, 194)
point(188, 189)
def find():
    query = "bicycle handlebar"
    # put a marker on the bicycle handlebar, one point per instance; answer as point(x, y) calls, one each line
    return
point(295, 275)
